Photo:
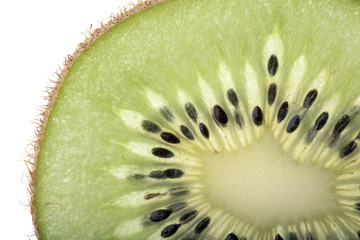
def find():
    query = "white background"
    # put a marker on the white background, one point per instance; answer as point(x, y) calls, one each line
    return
point(35, 36)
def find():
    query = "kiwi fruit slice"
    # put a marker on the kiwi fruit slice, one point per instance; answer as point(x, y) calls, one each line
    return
point(207, 120)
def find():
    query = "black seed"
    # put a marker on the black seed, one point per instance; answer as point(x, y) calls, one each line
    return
point(321, 121)
point(173, 173)
point(191, 111)
point(187, 217)
point(169, 137)
point(150, 127)
point(310, 98)
point(257, 116)
point(160, 215)
point(231, 236)
point(358, 234)
point(293, 124)
point(348, 149)
point(167, 114)
point(282, 112)
point(204, 130)
point(238, 119)
point(157, 175)
point(291, 236)
point(202, 225)
point(187, 133)
point(232, 96)
point(170, 230)
point(162, 152)
point(278, 237)
point(220, 115)
point(341, 125)
point(272, 93)
point(273, 65)
point(177, 206)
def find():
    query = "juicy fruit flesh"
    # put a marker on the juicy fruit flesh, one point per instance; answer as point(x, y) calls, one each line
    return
point(97, 172)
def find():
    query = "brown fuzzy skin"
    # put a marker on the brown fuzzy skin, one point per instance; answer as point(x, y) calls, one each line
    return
point(52, 93)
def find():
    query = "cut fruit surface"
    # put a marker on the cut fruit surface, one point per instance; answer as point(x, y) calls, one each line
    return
point(208, 120)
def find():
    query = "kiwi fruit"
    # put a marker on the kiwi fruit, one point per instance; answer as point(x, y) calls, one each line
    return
point(206, 119)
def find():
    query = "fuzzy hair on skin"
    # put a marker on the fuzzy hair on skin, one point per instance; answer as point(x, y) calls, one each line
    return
point(51, 93)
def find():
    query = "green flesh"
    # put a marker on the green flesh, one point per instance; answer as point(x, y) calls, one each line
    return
point(187, 51)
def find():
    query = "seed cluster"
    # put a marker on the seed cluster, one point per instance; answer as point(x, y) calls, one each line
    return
point(292, 119)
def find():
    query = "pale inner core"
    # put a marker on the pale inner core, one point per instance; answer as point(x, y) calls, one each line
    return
point(264, 186)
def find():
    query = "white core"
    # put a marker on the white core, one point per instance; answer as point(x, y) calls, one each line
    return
point(262, 185)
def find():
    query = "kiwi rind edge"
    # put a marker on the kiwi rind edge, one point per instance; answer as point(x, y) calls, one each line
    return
point(52, 91)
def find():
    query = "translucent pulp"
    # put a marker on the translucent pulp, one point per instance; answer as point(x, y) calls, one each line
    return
point(265, 186)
